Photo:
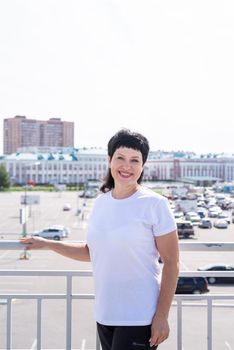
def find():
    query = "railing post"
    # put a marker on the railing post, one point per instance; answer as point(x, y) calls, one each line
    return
point(9, 331)
point(39, 301)
point(209, 324)
point(98, 345)
point(69, 313)
point(179, 324)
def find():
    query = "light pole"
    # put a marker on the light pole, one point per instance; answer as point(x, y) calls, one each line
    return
point(78, 210)
point(24, 212)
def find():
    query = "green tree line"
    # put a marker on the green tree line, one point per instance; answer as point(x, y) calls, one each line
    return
point(4, 178)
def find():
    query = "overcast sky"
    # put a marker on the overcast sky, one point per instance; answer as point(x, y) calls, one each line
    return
point(163, 68)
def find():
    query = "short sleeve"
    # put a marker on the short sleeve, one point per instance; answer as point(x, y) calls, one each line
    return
point(163, 219)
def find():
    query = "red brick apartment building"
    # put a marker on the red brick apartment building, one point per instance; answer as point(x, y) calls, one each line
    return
point(22, 132)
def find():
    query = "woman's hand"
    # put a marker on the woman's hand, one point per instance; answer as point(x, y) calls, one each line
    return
point(159, 331)
point(34, 242)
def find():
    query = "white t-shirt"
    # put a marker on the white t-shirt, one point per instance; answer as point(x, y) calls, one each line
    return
point(124, 256)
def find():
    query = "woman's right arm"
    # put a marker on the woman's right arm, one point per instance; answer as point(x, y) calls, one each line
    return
point(77, 251)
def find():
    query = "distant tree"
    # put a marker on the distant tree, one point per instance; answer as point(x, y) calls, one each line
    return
point(4, 178)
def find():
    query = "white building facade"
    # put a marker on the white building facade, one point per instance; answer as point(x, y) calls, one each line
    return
point(72, 166)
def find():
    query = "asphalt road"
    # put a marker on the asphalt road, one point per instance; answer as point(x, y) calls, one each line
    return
point(49, 211)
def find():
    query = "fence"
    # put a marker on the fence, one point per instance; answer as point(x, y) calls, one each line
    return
point(69, 296)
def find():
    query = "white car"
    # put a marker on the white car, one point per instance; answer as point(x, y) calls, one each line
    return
point(214, 212)
point(56, 233)
point(224, 216)
point(178, 215)
point(61, 227)
point(221, 223)
point(66, 207)
point(193, 217)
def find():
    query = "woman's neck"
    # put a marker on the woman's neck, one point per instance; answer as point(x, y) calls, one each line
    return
point(119, 192)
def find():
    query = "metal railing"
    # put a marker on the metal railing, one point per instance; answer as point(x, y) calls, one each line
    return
point(69, 296)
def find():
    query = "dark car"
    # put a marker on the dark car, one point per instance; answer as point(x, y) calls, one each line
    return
point(218, 267)
point(205, 223)
point(192, 285)
point(185, 229)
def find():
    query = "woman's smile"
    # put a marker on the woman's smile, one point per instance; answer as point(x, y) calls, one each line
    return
point(125, 174)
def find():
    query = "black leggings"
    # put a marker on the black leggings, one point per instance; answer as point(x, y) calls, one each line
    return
point(125, 337)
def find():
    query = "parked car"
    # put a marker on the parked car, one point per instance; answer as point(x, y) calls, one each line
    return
point(178, 215)
point(89, 194)
point(190, 213)
point(193, 217)
point(185, 228)
point(213, 213)
point(218, 267)
point(205, 223)
point(61, 227)
point(192, 285)
point(224, 216)
point(221, 223)
point(56, 233)
point(66, 207)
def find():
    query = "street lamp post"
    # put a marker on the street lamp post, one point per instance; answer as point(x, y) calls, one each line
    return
point(24, 212)
point(78, 210)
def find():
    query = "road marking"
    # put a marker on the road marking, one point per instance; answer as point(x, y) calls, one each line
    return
point(228, 345)
point(7, 283)
point(14, 291)
point(34, 344)
point(184, 266)
point(4, 254)
point(83, 344)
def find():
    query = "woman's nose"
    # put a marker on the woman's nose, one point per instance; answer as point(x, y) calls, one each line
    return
point(126, 164)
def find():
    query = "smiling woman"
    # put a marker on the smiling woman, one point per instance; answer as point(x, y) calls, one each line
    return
point(129, 227)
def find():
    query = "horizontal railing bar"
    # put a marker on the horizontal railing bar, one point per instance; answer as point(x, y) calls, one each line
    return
point(204, 296)
point(196, 304)
point(88, 273)
point(56, 273)
point(184, 246)
point(206, 273)
point(15, 244)
point(45, 296)
point(186, 303)
point(91, 296)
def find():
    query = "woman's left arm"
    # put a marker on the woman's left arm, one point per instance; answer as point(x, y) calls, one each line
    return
point(168, 248)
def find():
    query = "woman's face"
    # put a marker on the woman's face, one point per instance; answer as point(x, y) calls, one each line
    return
point(126, 166)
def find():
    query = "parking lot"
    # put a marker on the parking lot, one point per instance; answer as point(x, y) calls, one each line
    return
point(50, 211)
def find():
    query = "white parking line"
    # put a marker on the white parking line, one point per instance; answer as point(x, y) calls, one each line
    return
point(228, 345)
point(183, 265)
point(83, 344)
point(4, 254)
point(14, 291)
point(34, 344)
point(8, 283)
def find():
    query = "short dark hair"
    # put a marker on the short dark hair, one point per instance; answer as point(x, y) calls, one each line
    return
point(128, 139)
